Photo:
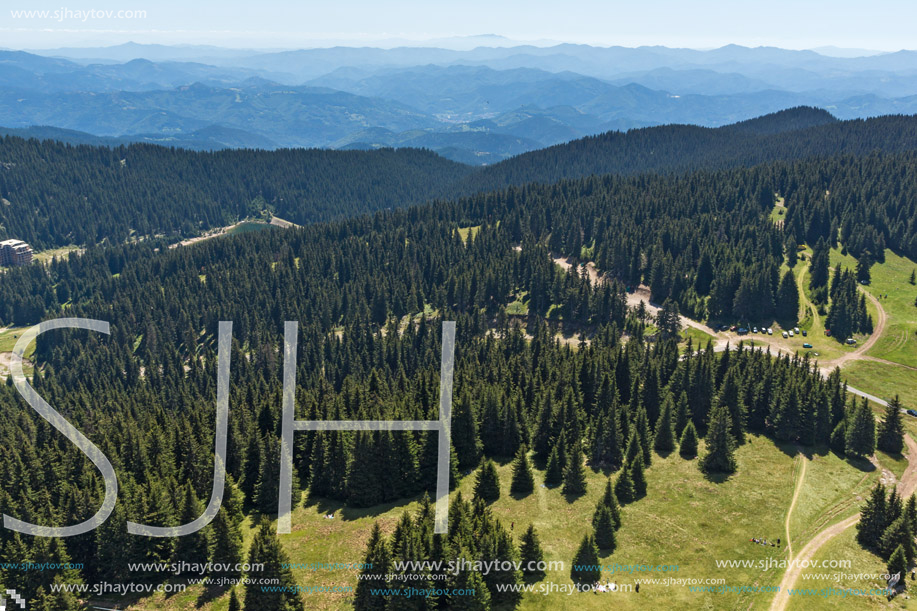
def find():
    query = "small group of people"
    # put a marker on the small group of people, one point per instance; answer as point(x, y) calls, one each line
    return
point(762, 541)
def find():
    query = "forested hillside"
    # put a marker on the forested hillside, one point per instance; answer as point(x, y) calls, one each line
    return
point(788, 135)
point(55, 194)
point(369, 293)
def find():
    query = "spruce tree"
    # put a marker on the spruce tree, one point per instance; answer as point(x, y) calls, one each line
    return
point(897, 566)
point(376, 566)
point(720, 456)
point(584, 569)
point(523, 482)
point(861, 432)
point(531, 554)
point(838, 441)
point(266, 550)
point(898, 534)
point(611, 501)
point(890, 436)
point(603, 525)
point(234, 601)
point(554, 473)
point(575, 474)
point(227, 543)
point(873, 522)
point(487, 483)
point(687, 447)
point(682, 414)
point(624, 487)
point(193, 548)
point(638, 477)
point(787, 310)
point(664, 440)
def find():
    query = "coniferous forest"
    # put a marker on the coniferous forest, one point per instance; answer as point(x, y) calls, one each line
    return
point(369, 292)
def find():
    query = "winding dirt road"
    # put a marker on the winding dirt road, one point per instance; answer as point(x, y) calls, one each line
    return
point(906, 486)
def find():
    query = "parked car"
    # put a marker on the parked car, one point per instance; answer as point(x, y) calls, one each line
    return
point(742, 331)
point(791, 333)
point(770, 331)
point(785, 335)
point(805, 333)
point(828, 332)
point(733, 328)
point(755, 330)
point(796, 329)
point(851, 341)
point(807, 345)
point(912, 412)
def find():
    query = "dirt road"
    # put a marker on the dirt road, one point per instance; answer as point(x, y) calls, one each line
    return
point(906, 486)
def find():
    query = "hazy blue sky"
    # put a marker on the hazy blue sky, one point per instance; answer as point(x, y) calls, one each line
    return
point(877, 24)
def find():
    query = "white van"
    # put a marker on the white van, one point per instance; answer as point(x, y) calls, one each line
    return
point(785, 335)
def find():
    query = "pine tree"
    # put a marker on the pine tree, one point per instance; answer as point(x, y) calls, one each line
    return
point(720, 457)
point(266, 550)
point(227, 543)
point(638, 477)
point(861, 432)
point(682, 414)
point(611, 501)
point(554, 473)
point(624, 487)
point(523, 482)
point(376, 565)
point(898, 534)
point(234, 601)
point(897, 566)
point(890, 436)
point(838, 441)
point(873, 522)
point(487, 483)
point(664, 439)
point(788, 300)
point(584, 570)
point(465, 436)
point(193, 548)
point(863, 265)
point(575, 474)
point(603, 525)
point(687, 447)
point(531, 555)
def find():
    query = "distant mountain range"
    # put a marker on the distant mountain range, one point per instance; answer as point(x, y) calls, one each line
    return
point(477, 106)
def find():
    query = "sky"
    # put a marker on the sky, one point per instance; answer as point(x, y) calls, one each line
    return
point(885, 25)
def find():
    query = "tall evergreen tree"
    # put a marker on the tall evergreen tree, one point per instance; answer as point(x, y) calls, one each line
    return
point(531, 555)
point(266, 551)
point(664, 439)
point(376, 566)
point(584, 569)
point(575, 474)
point(788, 300)
point(861, 432)
point(873, 521)
point(604, 528)
point(523, 482)
point(720, 456)
point(487, 483)
point(890, 436)
point(687, 446)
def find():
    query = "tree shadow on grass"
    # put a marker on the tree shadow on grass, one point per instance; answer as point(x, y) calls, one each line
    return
point(211, 593)
point(717, 478)
point(862, 464)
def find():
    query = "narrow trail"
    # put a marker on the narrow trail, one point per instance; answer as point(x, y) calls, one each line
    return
point(800, 479)
point(906, 486)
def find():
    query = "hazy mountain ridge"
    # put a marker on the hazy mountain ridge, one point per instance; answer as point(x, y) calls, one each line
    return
point(480, 105)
